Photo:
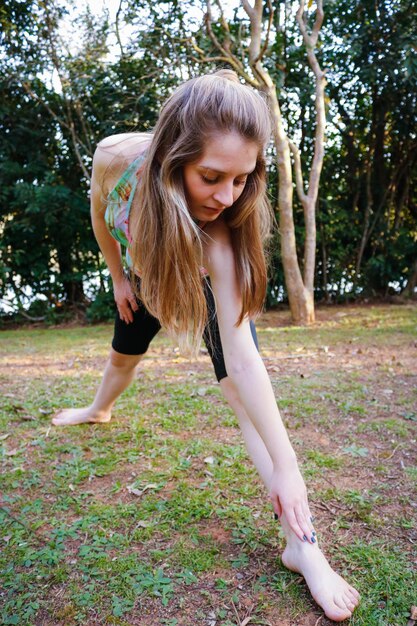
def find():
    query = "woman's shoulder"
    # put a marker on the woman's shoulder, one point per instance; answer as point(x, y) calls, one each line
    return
point(218, 249)
point(115, 153)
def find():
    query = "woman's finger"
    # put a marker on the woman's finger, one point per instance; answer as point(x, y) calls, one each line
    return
point(308, 521)
point(276, 505)
point(133, 304)
point(305, 526)
point(125, 315)
point(295, 526)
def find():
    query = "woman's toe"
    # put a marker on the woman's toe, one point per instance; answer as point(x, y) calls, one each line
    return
point(340, 602)
point(349, 602)
point(355, 593)
point(353, 597)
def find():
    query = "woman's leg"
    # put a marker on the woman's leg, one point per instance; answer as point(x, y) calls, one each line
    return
point(130, 343)
point(336, 597)
point(118, 374)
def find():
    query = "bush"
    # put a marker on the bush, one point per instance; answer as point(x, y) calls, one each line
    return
point(102, 309)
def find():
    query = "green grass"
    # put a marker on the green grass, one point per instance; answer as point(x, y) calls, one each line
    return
point(388, 577)
point(196, 536)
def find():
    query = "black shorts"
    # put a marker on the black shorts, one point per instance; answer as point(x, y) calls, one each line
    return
point(134, 338)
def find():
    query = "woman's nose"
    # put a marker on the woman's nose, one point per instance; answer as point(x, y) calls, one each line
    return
point(224, 195)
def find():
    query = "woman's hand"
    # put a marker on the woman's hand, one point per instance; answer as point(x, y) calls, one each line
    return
point(125, 299)
point(289, 497)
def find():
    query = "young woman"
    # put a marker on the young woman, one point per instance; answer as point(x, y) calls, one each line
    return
point(188, 202)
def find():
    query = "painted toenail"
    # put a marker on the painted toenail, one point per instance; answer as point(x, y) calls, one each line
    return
point(313, 540)
point(314, 533)
point(304, 538)
point(276, 516)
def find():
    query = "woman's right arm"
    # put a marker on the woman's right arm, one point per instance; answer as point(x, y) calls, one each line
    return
point(110, 248)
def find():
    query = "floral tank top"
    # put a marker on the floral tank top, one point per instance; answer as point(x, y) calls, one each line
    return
point(119, 202)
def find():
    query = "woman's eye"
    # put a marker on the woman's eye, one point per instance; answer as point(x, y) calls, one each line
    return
point(209, 181)
point(240, 182)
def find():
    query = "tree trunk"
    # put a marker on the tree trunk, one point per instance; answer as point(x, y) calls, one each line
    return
point(300, 288)
point(409, 289)
point(73, 288)
point(300, 299)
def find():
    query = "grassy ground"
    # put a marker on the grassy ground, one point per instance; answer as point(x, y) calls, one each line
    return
point(158, 516)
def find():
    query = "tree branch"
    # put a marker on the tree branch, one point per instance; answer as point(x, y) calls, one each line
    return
point(266, 42)
point(224, 51)
point(310, 41)
point(256, 52)
point(119, 41)
point(298, 173)
point(225, 56)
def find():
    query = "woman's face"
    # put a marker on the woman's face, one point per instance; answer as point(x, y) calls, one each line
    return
point(218, 178)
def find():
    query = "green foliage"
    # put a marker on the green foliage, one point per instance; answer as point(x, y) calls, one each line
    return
point(366, 213)
point(388, 579)
point(103, 307)
point(367, 222)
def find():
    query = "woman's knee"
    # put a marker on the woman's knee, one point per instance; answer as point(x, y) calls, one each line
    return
point(124, 361)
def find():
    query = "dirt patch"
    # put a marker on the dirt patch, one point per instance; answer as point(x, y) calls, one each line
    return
point(347, 394)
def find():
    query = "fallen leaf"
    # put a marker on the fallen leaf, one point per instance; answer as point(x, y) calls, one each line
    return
point(413, 612)
point(3, 437)
point(139, 492)
point(150, 486)
point(143, 524)
point(211, 619)
point(209, 460)
point(356, 451)
point(7, 538)
point(11, 452)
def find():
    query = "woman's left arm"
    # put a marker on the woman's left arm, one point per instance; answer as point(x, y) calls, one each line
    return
point(247, 371)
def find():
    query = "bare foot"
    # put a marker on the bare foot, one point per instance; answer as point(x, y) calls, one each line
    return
point(335, 596)
point(70, 417)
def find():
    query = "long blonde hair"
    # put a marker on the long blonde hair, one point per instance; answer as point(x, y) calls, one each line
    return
point(167, 248)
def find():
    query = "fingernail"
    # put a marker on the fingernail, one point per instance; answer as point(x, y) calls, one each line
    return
point(304, 538)
point(313, 540)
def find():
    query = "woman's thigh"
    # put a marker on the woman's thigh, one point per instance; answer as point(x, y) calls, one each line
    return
point(134, 338)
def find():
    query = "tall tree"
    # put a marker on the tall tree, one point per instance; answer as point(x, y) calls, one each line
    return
point(373, 90)
point(248, 53)
point(58, 100)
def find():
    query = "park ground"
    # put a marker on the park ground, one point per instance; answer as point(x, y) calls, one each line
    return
point(158, 517)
